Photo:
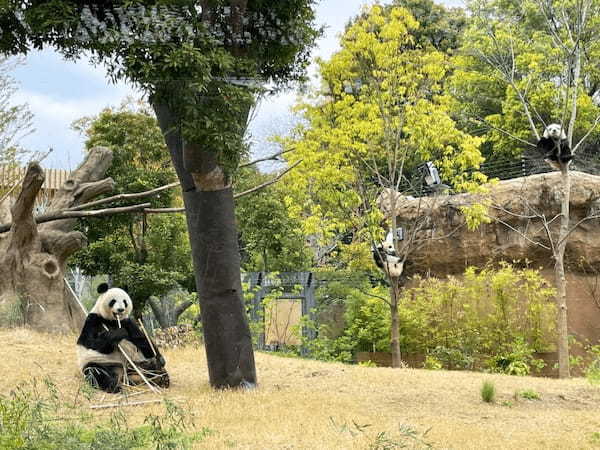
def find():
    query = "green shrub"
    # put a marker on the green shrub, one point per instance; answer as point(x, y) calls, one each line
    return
point(518, 360)
point(592, 373)
point(488, 392)
point(482, 317)
point(432, 363)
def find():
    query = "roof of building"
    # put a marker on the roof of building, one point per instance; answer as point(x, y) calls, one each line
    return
point(54, 178)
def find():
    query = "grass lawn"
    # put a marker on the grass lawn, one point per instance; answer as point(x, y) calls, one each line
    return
point(304, 404)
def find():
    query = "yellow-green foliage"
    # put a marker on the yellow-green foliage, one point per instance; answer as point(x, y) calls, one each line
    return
point(382, 109)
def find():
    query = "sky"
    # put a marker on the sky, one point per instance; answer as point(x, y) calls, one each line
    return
point(59, 92)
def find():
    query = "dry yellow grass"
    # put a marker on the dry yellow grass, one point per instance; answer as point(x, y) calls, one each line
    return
point(304, 404)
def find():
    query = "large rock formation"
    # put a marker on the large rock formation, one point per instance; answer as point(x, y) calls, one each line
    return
point(523, 212)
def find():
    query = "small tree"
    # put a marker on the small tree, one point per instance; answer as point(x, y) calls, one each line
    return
point(15, 120)
point(367, 131)
point(531, 64)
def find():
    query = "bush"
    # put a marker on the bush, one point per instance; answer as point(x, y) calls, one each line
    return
point(529, 394)
point(488, 392)
point(516, 361)
point(496, 316)
point(592, 372)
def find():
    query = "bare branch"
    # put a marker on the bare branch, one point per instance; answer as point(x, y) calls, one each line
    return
point(60, 215)
point(123, 197)
point(592, 128)
point(574, 227)
point(266, 158)
point(267, 183)
point(236, 196)
point(523, 141)
point(519, 232)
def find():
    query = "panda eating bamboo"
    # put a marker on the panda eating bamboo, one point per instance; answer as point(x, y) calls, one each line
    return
point(107, 333)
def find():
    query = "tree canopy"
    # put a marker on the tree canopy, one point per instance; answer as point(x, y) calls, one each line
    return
point(381, 111)
point(146, 253)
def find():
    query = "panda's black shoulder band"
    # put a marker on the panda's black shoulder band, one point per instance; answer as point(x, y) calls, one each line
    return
point(102, 288)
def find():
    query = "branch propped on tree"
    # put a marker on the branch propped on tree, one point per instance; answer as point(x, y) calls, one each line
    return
point(272, 157)
point(61, 215)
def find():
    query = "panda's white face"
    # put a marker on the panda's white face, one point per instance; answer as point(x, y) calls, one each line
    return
point(113, 304)
point(555, 132)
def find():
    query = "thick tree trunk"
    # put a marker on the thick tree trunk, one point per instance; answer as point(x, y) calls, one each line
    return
point(33, 257)
point(395, 324)
point(211, 225)
point(560, 280)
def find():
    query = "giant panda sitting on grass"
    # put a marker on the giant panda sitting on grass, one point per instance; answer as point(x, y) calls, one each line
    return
point(106, 327)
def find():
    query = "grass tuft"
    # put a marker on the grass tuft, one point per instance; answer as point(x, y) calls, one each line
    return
point(488, 392)
point(529, 394)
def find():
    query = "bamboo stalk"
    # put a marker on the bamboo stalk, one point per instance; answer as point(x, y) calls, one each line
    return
point(147, 337)
point(118, 405)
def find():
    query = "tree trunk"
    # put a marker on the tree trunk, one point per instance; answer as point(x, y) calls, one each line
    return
point(209, 206)
point(33, 257)
point(158, 312)
point(395, 323)
point(560, 280)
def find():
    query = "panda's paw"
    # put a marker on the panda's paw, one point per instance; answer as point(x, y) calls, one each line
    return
point(118, 334)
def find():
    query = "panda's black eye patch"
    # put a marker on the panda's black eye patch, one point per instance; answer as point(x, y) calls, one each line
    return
point(125, 303)
point(111, 303)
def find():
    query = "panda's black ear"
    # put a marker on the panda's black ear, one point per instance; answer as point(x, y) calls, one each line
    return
point(125, 288)
point(102, 288)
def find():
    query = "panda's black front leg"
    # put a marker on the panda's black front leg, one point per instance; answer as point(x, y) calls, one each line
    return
point(106, 377)
point(565, 152)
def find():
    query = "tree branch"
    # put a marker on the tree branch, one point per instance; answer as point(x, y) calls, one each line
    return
point(23, 225)
point(123, 197)
point(60, 215)
point(236, 196)
point(504, 131)
point(268, 183)
point(266, 158)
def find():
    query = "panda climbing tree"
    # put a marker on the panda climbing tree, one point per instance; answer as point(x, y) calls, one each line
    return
point(386, 257)
point(554, 145)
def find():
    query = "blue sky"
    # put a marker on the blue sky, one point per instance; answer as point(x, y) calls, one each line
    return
point(59, 92)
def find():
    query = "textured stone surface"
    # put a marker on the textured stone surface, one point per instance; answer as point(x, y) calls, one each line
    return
point(515, 204)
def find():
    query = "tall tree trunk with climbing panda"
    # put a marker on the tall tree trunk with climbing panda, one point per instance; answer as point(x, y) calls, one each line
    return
point(33, 257)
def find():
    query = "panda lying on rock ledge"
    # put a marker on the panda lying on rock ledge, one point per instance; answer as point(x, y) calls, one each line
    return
point(106, 327)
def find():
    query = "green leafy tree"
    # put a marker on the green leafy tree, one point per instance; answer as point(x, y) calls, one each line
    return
point(271, 240)
point(381, 112)
point(148, 254)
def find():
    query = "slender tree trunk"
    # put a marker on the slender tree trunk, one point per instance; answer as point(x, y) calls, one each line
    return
point(395, 324)
point(210, 216)
point(560, 280)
